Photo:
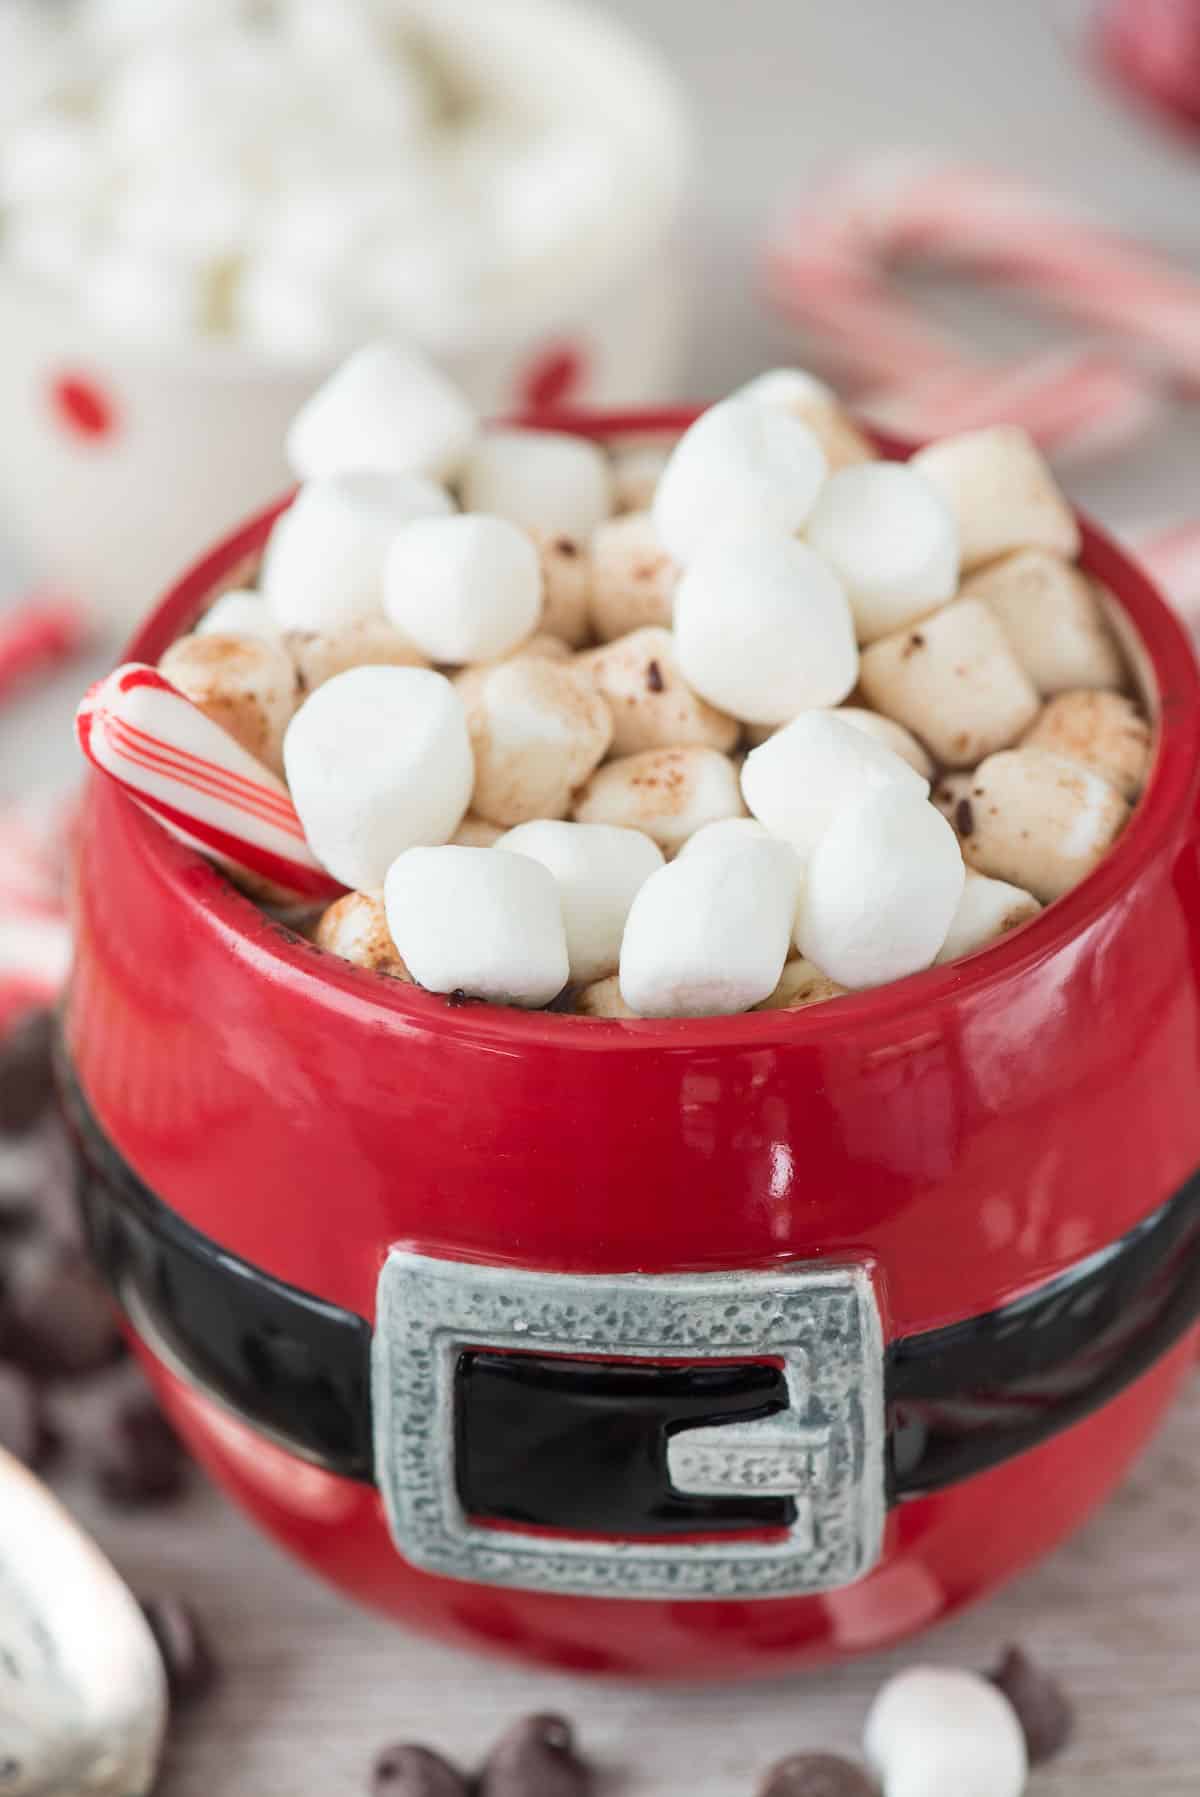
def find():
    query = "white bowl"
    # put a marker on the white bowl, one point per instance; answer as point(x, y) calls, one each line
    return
point(117, 457)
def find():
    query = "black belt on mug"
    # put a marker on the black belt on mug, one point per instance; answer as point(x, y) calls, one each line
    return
point(545, 1440)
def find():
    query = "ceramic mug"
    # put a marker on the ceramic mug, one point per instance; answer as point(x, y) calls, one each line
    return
point(94, 421)
point(694, 1348)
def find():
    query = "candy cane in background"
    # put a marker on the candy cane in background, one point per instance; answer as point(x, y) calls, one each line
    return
point(200, 784)
point(35, 943)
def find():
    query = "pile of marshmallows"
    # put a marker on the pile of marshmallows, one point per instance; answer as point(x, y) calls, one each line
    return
point(654, 735)
point(296, 173)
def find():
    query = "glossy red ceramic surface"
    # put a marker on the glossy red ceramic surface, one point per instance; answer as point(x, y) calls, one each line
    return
point(970, 1132)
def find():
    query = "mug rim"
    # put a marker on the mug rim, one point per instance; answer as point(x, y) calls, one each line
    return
point(1171, 790)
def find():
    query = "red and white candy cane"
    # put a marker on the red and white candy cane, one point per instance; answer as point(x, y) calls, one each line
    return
point(36, 636)
point(829, 265)
point(198, 782)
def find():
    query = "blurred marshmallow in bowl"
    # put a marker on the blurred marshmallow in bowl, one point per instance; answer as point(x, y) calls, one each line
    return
point(205, 203)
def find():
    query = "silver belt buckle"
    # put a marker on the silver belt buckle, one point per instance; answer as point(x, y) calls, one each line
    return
point(825, 1451)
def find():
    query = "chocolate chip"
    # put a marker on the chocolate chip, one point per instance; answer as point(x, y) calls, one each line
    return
point(964, 817)
point(1043, 1708)
point(139, 1460)
point(536, 1758)
point(24, 1431)
point(566, 546)
point(186, 1655)
point(409, 1771)
point(59, 1321)
point(816, 1775)
point(654, 679)
point(457, 998)
point(26, 1072)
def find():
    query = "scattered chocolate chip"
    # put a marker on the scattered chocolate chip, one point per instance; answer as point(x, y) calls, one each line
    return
point(457, 998)
point(964, 817)
point(187, 1657)
point(816, 1775)
point(536, 1758)
point(1043, 1708)
point(139, 1460)
point(566, 546)
point(654, 679)
point(409, 1771)
point(58, 1321)
point(26, 1072)
point(24, 1431)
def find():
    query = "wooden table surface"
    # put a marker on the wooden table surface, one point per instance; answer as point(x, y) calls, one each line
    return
point(312, 1687)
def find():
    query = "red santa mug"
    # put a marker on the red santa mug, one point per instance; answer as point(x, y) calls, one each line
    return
point(691, 1348)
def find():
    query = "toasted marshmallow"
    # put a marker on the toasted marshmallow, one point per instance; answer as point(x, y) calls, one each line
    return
point(668, 793)
point(652, 705)
point(480, 922)
point(1104, 732)
point(1039, 821)
point(537, 730)
point(372, 643)
point(466, 588)
point(816, 405)
point(599, 870)
point(937, 1731)
point(763, 629)
point(741, 466)
point(891, 539)
point(1053, 619)
point(815, 768)
point(636, 471)
point(247, 684)
point(566, 589)
point(801, 984)
point(378, 760)
point(709, 935)
point(476, 833)
point(987, 909)
point(323, 569)
point(880, 891)
point(549, 483)
point(356, 929)
point(603, 999)
point(633, 577)
point(1001, 490)
point(954, 680)
point(386, 410)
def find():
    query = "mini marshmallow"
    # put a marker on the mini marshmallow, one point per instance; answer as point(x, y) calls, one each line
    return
point(740, 466)
point(537, 730)
point(801, 984)
point(478, 921)
point(636, 471)
point(1039, 821)
point(726, 834)
point(372, 643)
point(987, 909)
point(937, 1731)
point(1052, 618)
point(881, 889)
point(602, 1000)
point(763, 629)
point(476, 833)
point(566, 589)
point(551, 484)
point(892, 735)
point(324, 563)
point(378, 760)
point(816, 405)
point(633, 577)
point(708, 935)
point(814, 769)
point(356, 930)
point(1104, 732)
point(466, 588)
point(599, 871)
point(386, 410)
point(668, 793)
point(246, 684)
point(1002, 492)
point(892, 541)
point(953, 680)
point(238, 612)
point(651, 704)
